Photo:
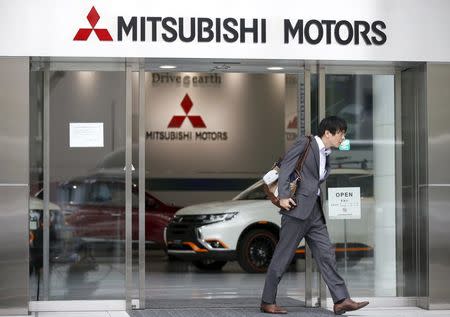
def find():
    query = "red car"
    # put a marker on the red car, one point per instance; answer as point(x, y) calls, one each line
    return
point(94, 208)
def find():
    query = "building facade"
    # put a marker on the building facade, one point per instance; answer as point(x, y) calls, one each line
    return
point(116, 115)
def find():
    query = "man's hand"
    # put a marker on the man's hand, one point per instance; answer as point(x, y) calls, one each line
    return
point(287, 203)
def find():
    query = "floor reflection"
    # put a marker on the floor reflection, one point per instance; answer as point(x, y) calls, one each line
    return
point(99, 273)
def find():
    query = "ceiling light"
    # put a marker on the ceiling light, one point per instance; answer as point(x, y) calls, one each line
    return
point(222, 67)
point(275, 68)
point(167, 66)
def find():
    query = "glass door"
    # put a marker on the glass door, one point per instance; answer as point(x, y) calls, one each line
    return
point(208, 138)
point(365, 242)
point(80, 198)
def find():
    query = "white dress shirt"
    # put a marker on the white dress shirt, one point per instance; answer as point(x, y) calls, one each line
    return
point(323, 153)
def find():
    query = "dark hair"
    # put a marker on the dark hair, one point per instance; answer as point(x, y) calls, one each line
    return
point(333, 124)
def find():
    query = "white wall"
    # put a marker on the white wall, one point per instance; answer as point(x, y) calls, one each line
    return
point(416, 30)
point(84, 97)
point(249, 108)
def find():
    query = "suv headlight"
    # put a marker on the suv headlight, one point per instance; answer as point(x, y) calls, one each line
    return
point(216, 217)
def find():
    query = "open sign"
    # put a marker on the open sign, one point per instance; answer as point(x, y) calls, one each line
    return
point(344, 203)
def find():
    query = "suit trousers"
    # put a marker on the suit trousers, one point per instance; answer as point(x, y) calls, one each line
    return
point(316, 235)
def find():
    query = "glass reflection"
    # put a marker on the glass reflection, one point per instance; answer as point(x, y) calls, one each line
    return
point(86, 258)
point(367, 244)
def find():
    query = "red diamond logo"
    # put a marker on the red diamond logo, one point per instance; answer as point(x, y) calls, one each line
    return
point(177, 121)
point(83, 33)
point(93, 17)
point(187, 104)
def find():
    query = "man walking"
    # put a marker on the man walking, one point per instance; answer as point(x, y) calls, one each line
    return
point(302, 216)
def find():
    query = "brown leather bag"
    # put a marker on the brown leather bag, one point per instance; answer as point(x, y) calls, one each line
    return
point(271, 189)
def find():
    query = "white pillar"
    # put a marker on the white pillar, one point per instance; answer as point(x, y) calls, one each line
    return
point(384, 184)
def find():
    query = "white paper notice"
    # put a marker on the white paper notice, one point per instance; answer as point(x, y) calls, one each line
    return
point(344, 203)
point(86, 134)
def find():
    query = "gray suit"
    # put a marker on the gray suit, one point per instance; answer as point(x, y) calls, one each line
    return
point(305, 220)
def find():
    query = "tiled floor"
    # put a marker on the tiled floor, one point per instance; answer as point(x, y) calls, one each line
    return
point(171, 281)
point(400, 312)
point(79, 314)
point(369, 312)
point(103, 278)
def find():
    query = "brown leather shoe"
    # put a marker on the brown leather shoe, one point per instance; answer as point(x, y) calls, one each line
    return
point(348, 305)
point(272, 309)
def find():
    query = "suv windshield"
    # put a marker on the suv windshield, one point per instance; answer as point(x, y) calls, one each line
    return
point(102, 193)
point(360, 178)
point(254, 192)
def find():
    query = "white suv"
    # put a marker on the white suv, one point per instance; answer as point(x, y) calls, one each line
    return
point(246, 229)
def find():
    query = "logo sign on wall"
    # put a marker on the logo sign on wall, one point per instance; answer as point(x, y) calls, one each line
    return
point(231, 30)
point(102, 34)
point(178, 122)
point(344, 203)
point(375, 30)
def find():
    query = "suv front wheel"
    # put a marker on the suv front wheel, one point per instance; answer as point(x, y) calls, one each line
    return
point(255, 250)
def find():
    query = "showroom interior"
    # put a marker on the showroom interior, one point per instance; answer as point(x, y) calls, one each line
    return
point(249, 115)
point(249, 119)
point(132, 181)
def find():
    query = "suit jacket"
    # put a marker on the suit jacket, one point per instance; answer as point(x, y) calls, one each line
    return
point(306, 194)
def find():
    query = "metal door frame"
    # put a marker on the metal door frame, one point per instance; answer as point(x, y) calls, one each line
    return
point(303, 112)
point(62, 64)
point(323, 70)
point(146, 66)
point(142, 66)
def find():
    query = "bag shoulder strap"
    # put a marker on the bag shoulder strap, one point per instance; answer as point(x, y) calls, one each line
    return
point(301, 160)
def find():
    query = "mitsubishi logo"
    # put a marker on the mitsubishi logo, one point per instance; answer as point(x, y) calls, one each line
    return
point(177, 121)
point(102, 34)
